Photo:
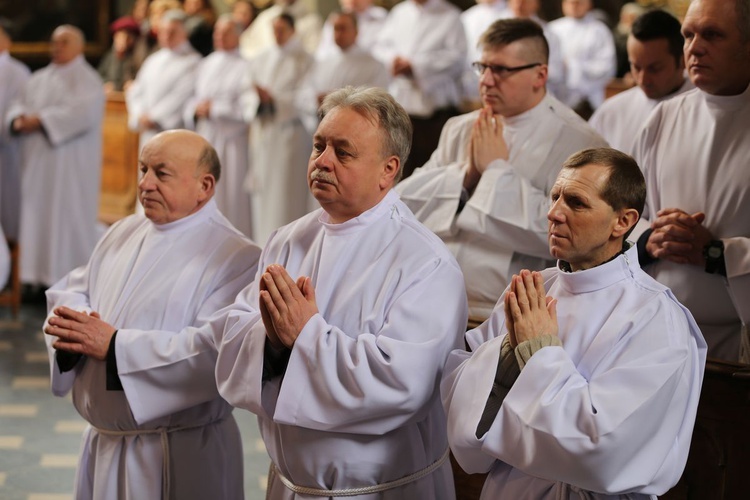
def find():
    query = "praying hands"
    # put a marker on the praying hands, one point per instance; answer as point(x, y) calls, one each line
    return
point(80, 333)
point(529, 313)
point(285, 305)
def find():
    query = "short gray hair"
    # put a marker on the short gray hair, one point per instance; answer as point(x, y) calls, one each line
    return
point(227, 18)
point(209, 162)
point(377, 104)
point(174, 15)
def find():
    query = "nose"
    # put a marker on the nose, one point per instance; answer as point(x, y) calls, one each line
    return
point(487, 78)
point(147, 182)
point(324, 159)
point(694, 47)
point(555, 212)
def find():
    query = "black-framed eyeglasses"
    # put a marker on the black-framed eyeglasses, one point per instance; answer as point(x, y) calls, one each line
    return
point(499, 71)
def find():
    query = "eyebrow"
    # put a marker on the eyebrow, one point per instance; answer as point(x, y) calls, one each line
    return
point(336, 142)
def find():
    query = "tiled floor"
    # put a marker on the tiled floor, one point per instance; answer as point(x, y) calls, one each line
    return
point(40, 433)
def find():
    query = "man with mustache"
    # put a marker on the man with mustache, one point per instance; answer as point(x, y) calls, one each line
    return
point(694, 152)
point(584, 382)
point(485, 190)
point(339, 343)
point(118, 336)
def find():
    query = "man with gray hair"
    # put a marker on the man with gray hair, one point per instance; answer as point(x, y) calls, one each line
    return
point(222, 106)
point(338, 345)
point(485, 190)
point(58, 117)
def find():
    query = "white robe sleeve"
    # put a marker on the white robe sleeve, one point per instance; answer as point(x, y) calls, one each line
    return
point(168, 110)
point(176, 368)
point(430, 67)
point(76, 115)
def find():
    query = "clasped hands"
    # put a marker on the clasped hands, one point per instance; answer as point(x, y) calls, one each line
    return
point(26, 124)
point(80, 333)
point(529, 312)
point(285, 305)
point(679, 237)
point(486, 145)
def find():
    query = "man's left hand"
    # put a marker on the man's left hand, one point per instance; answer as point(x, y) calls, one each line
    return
point(80, 333)
point(289, 305)
point(679, 237)
point(529, 312)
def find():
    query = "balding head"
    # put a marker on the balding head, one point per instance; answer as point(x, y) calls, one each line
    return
point(67, 44)
point(227, 33)
point(179, 172)
point(171, 32)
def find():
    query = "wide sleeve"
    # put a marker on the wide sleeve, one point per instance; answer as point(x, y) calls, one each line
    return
point(177, 368)
point(374, 382)
point(737, 260)
point(446, 58)
point(285, 99)
point(624, 427)
point(78, 113)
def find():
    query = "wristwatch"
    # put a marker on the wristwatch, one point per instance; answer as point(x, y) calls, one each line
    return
point(714, 255)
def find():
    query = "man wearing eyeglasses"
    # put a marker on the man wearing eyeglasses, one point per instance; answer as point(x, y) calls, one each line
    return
point(485, 189)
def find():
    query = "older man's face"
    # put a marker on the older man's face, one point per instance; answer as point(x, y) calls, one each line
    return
point(581, 223)
point(225, 36)
point(347, 172)
point(717, 59)
point(344, 32)
point(576, 8)
point(65, 46)
point(171, 186)
point(171, 34)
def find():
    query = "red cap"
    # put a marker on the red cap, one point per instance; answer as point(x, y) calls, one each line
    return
point(126, 23)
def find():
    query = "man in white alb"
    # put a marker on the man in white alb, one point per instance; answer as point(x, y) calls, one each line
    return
point(359, 306)
point(485, 190)
point(278, 139)
point(658, 68)
point(423, 46)
point(588, 52)
point(694, 152)
point(260, 35)
point(13, 77)
point(370, 20)
point(349, 64)
point(220, 110)
point(584, 382)
point(117, 334)
point(156, 99)
point(59, 118)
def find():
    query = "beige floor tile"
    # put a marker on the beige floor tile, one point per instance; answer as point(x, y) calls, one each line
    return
point(11, 442)
point(30, 383)
point(49, 496)
point(70, 426)
point(3, 476)
point(59, 460)
point(37, 357)
point(18, 410)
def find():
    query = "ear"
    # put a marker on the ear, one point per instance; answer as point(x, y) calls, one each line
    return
point(390, 170)
point(541, 77)
point(626, 218)
point(207, 184)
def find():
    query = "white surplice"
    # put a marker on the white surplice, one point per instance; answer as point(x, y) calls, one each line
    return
point(13, 77)
point(369, 23)
point(358, 403)
point(4, 260)
point(279, 143)
point(588, 52)
point(61, 169)
point(259, 37)
point(355, 67)
point(151, 282)
point(431, 37)
point(622, 116)
point(611, 411)
point(476, 19)
point(161, 89)
point(694, 152)
point(224, 79)
point(503, 227)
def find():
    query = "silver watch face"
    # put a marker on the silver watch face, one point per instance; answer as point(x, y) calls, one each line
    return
point(714, 252)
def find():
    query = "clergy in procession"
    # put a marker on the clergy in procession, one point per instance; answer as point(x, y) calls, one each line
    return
point(156, 100)
point(117, 334)
point(423, 46)
point(694, 150)
point(584, 382)
point(477, 18)
point(279, 141)
point(13, 77)
point(260, 36)
point(359, 307)
point(485, 191)
point(588, 52)
point(348, 65)
point(220, 110)
point(656, 62)
point(58, 116)
point(370, 19)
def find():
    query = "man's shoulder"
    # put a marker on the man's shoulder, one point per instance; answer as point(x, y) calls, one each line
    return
point(463, 121)
point(622, 101)
point(572, 124)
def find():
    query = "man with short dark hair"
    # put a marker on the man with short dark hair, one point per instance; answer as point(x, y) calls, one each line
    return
point(359, 307)
point(584, 382)
point(658, 68)
point(118, 336)
point(694, 152)
point(485, 189)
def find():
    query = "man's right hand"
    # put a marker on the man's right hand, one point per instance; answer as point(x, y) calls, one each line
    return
point(678, 237)
point(485, 146)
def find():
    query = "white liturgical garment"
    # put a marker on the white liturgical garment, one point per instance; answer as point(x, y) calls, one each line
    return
point(369, 23)
point(61, 169)
point(588, 52)
point(161, 89)
point(4, 260)
point(358, 403)
point(611, 411)
point(431, 37)
point(622, 116)
point(151, 282)
point(694, 152)
point(223, 78)
point(13, 77)
point(259, 37)
point(503, 227)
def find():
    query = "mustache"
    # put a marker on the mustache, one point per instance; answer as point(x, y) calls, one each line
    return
point(321, 176)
